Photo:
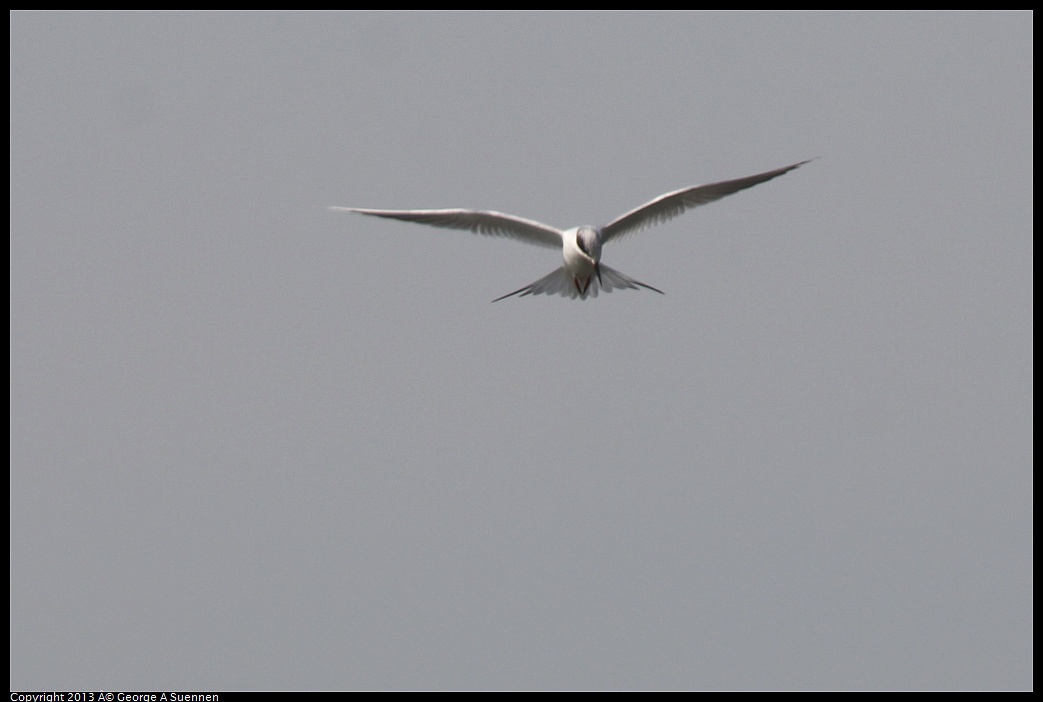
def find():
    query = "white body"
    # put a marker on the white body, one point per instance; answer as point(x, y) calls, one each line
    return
point(581, 251)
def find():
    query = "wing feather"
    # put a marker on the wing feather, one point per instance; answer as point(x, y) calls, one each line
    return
point(478, 222)
point(666, 207)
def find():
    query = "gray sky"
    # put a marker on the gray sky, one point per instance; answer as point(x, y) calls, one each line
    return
point(256, 444)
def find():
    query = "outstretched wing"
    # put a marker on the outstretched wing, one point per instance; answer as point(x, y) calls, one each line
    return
point(488, 223)
point(666, 207)
point(560, 283)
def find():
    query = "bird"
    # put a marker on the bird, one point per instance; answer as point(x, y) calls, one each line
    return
point(582, 274)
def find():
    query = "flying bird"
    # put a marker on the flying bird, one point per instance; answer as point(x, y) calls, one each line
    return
point(582, 272)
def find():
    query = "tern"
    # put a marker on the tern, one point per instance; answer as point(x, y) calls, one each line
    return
point(582, 273)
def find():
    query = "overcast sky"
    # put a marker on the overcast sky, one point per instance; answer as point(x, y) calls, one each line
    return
point(259, 445)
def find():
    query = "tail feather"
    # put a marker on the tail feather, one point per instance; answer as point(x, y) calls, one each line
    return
point(612, 279)
point(559, 282)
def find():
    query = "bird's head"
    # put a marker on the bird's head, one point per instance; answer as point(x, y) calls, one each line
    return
point(589, 242)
